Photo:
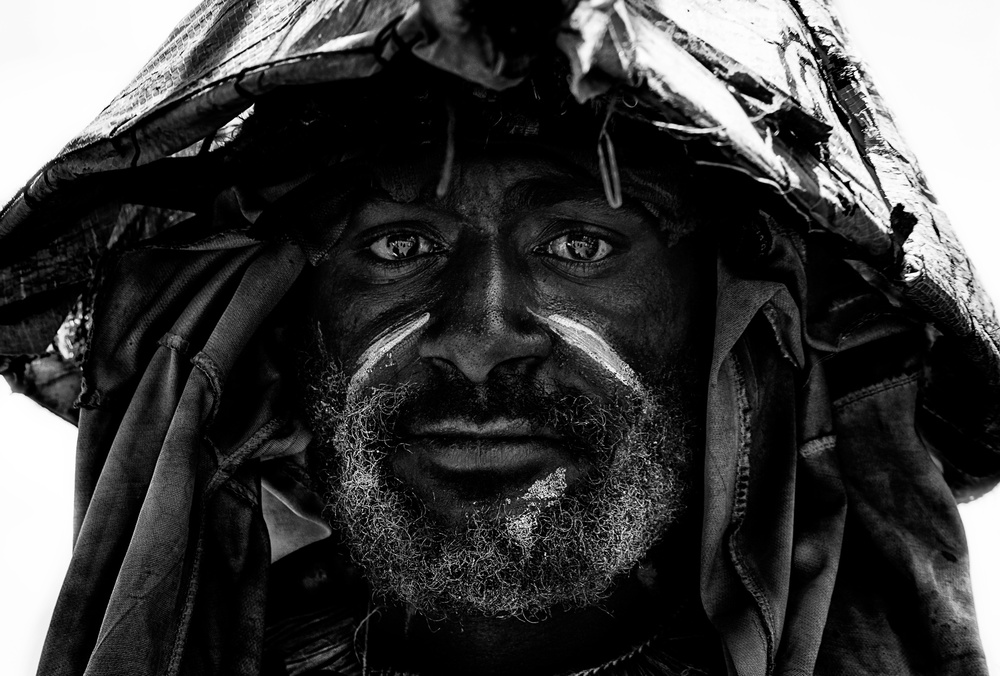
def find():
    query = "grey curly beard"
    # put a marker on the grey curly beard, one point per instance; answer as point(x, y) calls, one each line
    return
point(565, 552)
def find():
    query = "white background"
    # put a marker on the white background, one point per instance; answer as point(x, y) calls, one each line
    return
point(61, 61)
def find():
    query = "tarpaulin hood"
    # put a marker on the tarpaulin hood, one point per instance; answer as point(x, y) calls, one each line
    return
point(770, 85)
point(773, 84)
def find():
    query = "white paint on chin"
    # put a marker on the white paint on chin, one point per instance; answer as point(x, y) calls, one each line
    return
point(548, 488)
point(542, 493)
point(380, 348)
point(589, 342)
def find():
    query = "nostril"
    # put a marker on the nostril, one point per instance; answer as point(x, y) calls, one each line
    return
point(477, 359)
point(476, 354)
point(520, 366)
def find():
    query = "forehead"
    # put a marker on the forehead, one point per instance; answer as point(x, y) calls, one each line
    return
point(493, 175)
point(510, 179)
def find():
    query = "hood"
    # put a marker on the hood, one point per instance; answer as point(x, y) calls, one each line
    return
point(773, 85)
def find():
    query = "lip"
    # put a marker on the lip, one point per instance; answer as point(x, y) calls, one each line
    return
point(498, 428)
point(500, 446)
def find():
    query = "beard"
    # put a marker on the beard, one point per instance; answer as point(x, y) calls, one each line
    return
point(566, 550)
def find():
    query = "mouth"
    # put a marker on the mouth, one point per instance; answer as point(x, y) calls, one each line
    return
point(499, 445)
point(475, 462)
point(497, 428)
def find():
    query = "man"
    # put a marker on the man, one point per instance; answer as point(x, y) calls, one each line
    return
point(566, 410)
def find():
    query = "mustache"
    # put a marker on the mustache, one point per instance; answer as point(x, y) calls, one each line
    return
point(586, 423)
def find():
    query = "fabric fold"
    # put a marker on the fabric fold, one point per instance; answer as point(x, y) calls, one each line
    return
point(174, 520)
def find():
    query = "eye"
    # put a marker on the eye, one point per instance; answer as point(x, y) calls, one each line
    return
point(403, 246)
point(578, 247)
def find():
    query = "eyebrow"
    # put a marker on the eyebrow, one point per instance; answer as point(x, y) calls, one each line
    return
point(546, 191)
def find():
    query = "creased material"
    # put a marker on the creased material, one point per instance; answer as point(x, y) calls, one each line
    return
point(849, 401)
point(773, 84)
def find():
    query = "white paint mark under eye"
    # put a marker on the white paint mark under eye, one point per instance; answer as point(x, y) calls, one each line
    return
point(594, 346)
point(382, 347)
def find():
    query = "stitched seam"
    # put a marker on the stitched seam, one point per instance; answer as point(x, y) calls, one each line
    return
point(207, 366)
point(818, 446)
point(981, 330)
point(95, 398)
point(743, 464)
point(985, 438)
point(240, 492)
point(175, 342)
point(878, 388)
point(204, 363)
point(191, 584)
point(233, 461)
point(771, 315)
point(739, 512)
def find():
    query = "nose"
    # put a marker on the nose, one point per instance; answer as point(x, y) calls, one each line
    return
point(483, 321)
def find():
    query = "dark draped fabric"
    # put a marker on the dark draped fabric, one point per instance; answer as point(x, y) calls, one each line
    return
point(853, 390)
point(831, 542)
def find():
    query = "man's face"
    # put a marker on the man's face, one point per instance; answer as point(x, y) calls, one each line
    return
point(503, 383)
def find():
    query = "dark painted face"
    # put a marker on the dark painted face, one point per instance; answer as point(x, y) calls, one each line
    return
point(521, 273)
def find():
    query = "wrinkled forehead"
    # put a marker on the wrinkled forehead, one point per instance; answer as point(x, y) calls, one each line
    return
point(476, 181)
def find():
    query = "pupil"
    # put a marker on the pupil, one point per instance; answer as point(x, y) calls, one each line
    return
point(583, 247)
point(400, 247)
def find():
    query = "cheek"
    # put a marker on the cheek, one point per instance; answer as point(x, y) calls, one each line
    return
point(378, 355)
point(594, 347)
point(370, 330)
point(658, 326)
point(668, 299)
point(653, 316)
point(333, 307)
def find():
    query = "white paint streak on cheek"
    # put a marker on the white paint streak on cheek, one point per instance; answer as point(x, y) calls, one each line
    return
point(381, 347)
point(587, 340)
